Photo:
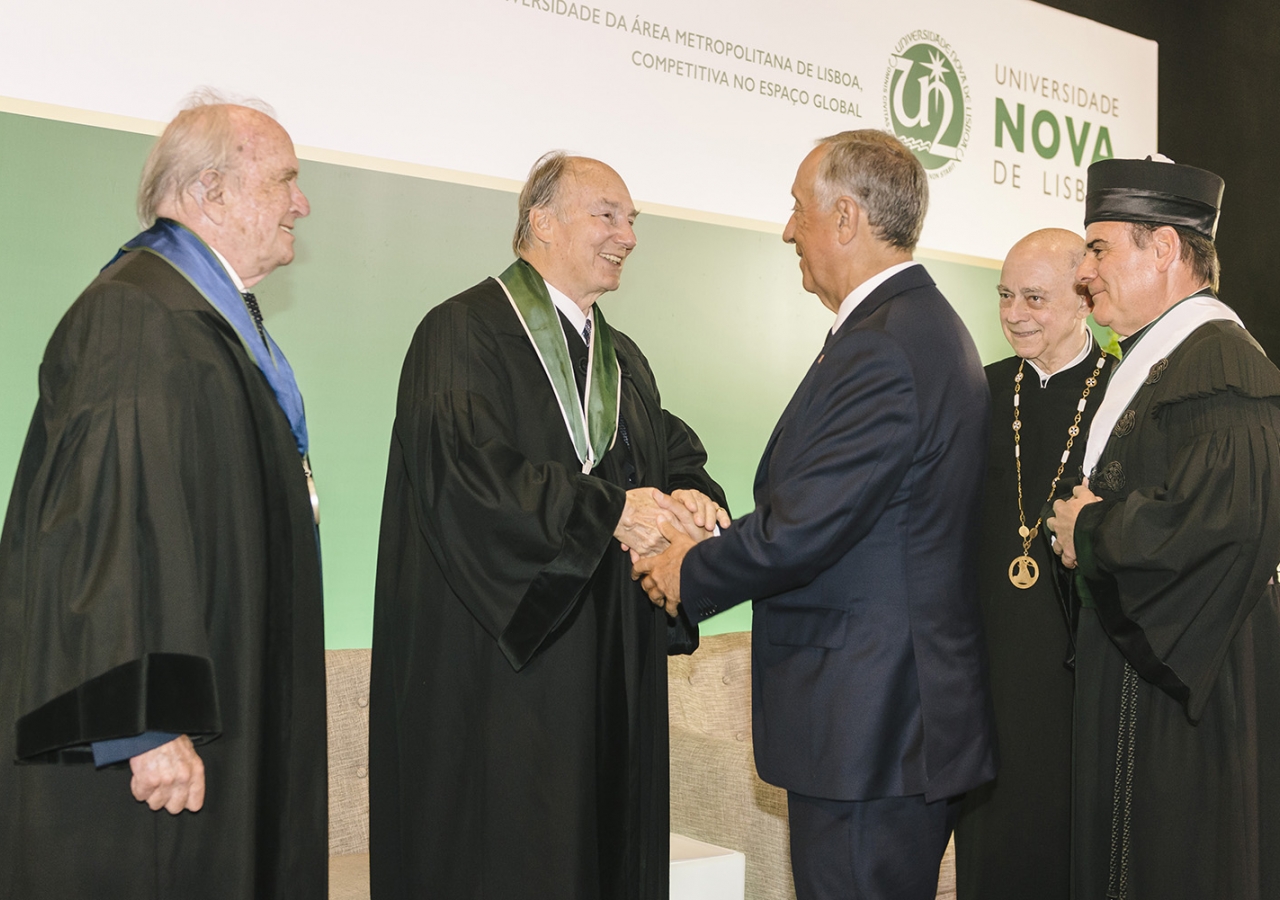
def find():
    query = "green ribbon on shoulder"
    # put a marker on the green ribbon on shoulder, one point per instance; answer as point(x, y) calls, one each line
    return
point(593, 422)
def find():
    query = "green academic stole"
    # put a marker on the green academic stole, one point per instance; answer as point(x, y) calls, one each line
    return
point(593, 422)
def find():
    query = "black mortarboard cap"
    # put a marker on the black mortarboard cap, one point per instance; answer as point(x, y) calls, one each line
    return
point(1147, 190)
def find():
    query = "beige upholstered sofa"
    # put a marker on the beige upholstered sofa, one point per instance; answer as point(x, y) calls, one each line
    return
point(716, 795)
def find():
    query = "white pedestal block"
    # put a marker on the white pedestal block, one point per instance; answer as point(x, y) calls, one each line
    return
point(701, 871)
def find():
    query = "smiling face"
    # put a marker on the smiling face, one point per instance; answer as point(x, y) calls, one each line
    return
point(588, 236)
point(812, 230)
point(262, 199)
point(1041, 312)
point(1122, 278)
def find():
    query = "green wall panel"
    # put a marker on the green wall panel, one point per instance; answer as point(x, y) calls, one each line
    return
point(719, 311)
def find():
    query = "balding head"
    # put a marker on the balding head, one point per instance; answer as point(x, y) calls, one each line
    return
point(203, 136)
point(1042, 312)
point(1057, 246)
point(228, 173)
point(575, 225)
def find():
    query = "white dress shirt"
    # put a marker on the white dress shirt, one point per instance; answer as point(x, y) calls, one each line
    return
point(862, 291)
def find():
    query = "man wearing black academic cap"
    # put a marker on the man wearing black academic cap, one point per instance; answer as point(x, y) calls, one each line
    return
point(1174, 536)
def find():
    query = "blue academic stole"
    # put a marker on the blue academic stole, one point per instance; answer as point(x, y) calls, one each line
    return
point(193, 259)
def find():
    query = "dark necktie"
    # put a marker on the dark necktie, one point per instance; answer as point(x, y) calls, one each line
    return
point(622, 423)
point(252, 302)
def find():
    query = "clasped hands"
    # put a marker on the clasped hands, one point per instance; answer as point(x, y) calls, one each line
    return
point(658, 531)
point(1063, 522)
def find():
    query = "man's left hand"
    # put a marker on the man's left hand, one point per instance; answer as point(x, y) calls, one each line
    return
point(170, 777)
point(1063, 522)
point(660, 575)
point(696, 514)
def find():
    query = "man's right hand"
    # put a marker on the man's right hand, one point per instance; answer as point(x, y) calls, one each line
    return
point(170, 777)
point(637, 529)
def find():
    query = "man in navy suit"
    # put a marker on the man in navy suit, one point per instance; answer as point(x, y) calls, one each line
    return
point(869, 686)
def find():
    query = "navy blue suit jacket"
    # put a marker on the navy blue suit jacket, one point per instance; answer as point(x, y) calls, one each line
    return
point(869, 677)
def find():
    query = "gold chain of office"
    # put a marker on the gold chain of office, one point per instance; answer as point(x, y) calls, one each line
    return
point(1024, 571)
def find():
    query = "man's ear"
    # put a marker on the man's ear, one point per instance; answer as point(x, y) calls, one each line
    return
point(209, 193)
point(848, 219)
point(1167, 246)
point(542, 223)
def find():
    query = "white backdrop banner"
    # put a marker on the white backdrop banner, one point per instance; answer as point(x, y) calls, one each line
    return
point(705, 106)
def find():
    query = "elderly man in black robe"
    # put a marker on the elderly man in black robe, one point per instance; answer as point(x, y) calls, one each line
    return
point(1013, 840)
point(161, 622)
point(1174, 538)
point(518, 712)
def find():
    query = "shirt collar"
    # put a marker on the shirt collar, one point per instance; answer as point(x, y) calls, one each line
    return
point(235, 277)
point(1084, 351)
point(862, 291)
point(570, 310)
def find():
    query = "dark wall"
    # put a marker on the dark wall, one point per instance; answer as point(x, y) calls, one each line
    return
point(1220, 110)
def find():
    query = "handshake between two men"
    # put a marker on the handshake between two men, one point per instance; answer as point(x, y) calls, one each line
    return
point(658, 529)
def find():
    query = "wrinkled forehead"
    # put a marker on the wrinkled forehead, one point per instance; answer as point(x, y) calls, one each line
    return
point(592, 185)
point(807, 175)
point(1108, 231)
point(263, 143)
point(1039, 266)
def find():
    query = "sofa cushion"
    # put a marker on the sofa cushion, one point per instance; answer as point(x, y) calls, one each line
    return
point(710, 691)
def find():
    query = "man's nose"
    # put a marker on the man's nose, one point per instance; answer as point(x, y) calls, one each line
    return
point(301, 205)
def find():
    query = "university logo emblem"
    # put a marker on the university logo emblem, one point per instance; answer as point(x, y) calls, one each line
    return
point(926, 101)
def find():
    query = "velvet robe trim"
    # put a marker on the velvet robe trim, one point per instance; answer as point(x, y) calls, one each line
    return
point(170, 692)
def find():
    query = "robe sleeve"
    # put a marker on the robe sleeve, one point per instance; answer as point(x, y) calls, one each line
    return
point(1175, 569)
point(115, 640)
point(854, 442)
point(516, 537)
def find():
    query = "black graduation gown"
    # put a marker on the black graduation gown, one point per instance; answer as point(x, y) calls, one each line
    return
point(159, 571)
point(1013, 839)
point(1178, 561)
point(518, 711)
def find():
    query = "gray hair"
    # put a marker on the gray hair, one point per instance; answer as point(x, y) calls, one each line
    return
point(882, 176)
point(200, 138)
point(1198, 252)
point(541, 190)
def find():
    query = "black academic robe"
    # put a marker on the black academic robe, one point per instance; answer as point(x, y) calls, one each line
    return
point(518, 711)
point(159, 571)
point(1013, 839)
point(1177, 568)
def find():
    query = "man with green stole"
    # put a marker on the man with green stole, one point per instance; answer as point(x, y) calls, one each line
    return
point(1174, 537)
point(518, 709)
point(161, 620)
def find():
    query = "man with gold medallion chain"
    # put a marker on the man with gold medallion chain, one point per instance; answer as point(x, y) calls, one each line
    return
point(1013, 839)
